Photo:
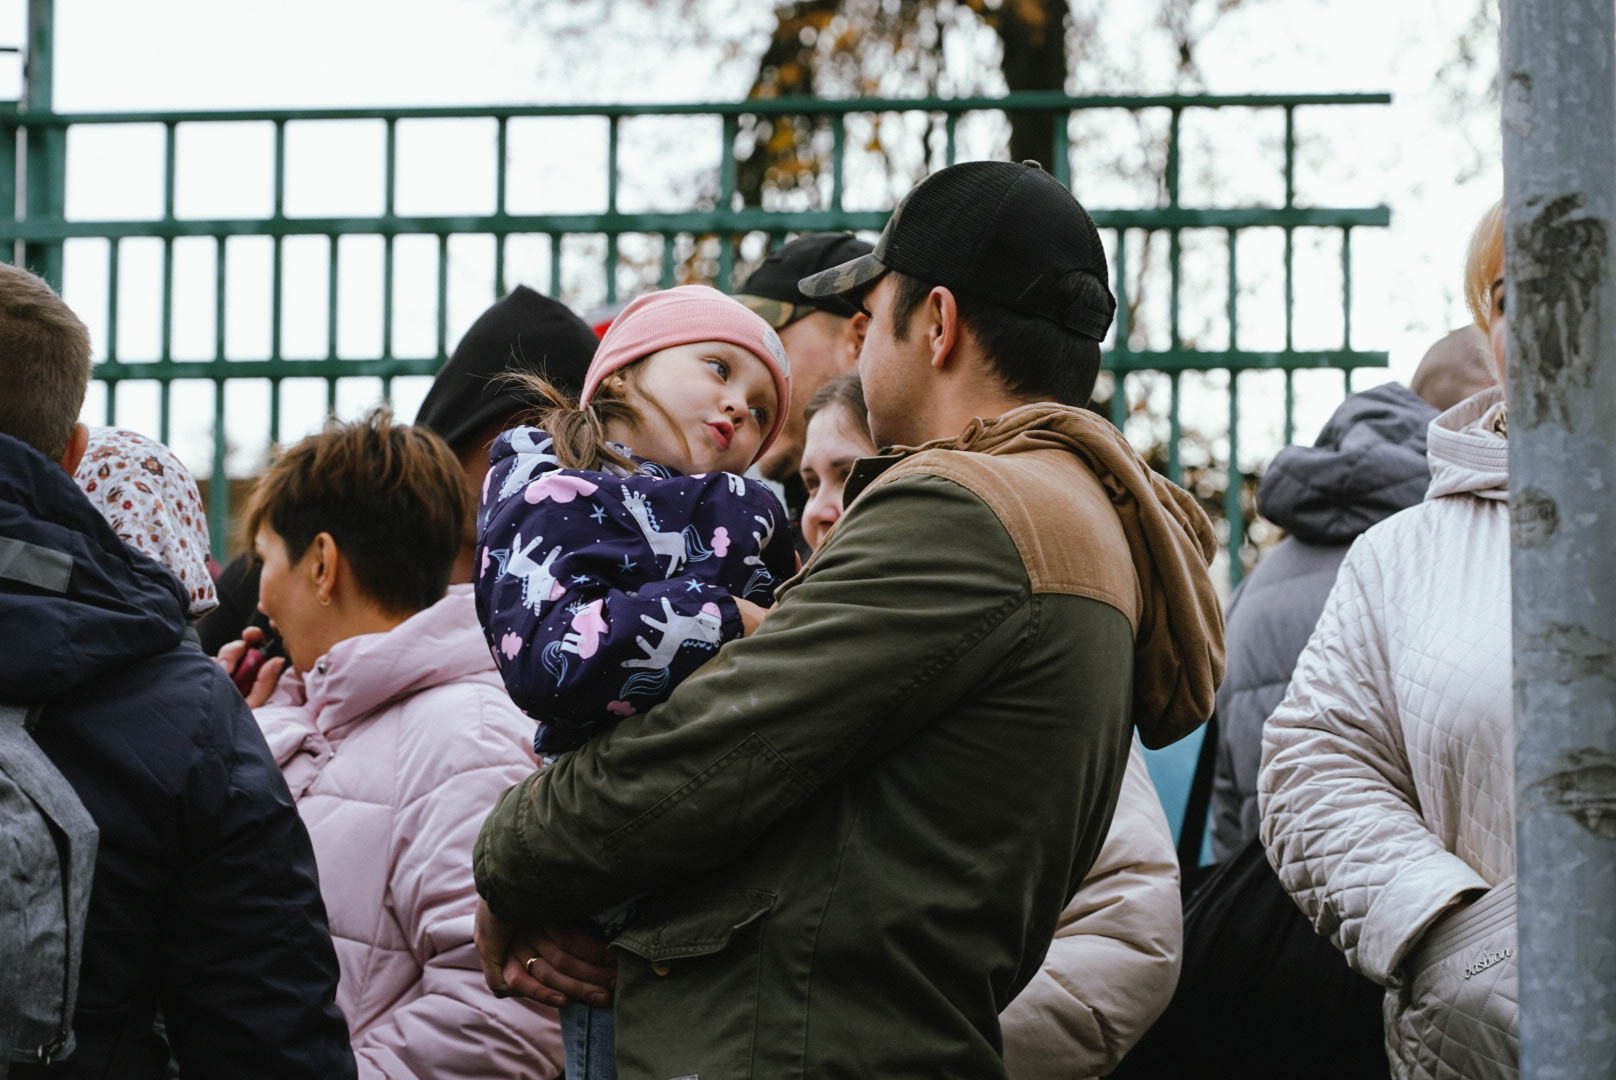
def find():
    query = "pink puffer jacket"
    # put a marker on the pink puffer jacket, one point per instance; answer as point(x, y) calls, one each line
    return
point(395, 745)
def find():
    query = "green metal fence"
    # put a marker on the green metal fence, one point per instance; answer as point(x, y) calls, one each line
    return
point(33, 152)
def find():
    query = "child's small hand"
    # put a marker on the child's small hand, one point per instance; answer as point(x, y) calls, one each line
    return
point(752, 616)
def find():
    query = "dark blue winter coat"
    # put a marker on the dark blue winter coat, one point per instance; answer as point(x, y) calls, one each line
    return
point(205, 902)
point(599, 593)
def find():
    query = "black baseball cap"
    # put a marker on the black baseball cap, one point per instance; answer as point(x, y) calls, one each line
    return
point(771, 290)
point(997, 231)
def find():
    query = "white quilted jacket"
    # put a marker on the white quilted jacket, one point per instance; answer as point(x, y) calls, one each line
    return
point(1387, 775)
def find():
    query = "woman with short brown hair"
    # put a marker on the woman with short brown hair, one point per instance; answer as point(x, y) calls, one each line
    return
point(358, 528)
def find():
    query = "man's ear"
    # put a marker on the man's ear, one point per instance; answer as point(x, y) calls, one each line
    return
point(77, 444)
point(853, 339)
point(942, 325)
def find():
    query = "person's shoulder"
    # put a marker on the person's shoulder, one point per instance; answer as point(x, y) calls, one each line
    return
point(1055, 510)
point(457, 727)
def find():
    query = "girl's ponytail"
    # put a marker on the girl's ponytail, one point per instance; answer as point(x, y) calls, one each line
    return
point(579, 434)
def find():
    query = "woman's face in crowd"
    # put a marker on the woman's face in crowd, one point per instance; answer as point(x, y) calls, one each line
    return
point(287, 594)
point(833, 442)
point(1498, 327)
point(704, 407)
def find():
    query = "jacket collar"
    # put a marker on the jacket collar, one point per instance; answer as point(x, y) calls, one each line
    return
point(1467, 456)
point(1178, 648)
point(359, 675)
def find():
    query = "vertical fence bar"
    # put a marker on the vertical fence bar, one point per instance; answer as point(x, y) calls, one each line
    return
point(1559, 215)
point(109, 349)
point(1175, 428)
point(611, 208)
point(1124, 327)
point(1290, 406)
point(11, 137)
point(46, 153)
point(166, 347)
point(950, 137)
point(1232, 503)
point(1060, 141)
point(555, 265)
point(1233, 509)
point(1290, 156)
point(501, 149)
point(726, 202)
point(668, 241)
point(1174, 249)
point(331, 327)
point(219, 486)
point(278, 224)
point(1290, 200)
point(390, 203)
point(1346, 288)
point(443, 298)
point(838, 158)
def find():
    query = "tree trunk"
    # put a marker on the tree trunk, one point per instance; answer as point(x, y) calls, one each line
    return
point(1033, 34)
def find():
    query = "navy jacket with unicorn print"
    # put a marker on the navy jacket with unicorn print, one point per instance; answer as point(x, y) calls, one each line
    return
point(600, 592)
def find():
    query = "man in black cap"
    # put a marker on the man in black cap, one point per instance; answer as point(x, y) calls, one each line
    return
point(848, 838)
point(820, 334)
point(467, 406)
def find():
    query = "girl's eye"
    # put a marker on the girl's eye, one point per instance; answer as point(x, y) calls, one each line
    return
point(719, 367)
point(810, 482)
point(762, 418)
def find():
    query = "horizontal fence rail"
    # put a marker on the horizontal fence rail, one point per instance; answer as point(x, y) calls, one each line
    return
point(33, 149)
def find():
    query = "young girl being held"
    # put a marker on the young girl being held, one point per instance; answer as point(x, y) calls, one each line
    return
point(620, 547)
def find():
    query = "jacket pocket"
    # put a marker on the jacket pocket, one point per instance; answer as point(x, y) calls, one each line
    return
point(1459, 1014)
point(687, 985)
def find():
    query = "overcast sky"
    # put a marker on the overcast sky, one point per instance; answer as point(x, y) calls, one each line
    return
point(206, 54)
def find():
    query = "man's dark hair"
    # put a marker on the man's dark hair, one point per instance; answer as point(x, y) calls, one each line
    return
point(391, 496)
point(1032, 356)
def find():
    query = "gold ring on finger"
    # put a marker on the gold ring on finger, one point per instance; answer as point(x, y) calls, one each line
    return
point(527, 965)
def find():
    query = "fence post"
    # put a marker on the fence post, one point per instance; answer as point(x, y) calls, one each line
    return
point(46, 169)
point(1559, 101)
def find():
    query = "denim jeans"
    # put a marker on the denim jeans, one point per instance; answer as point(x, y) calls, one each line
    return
point(587, 1039)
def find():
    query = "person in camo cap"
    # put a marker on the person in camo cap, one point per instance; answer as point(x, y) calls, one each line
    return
point(854, 830)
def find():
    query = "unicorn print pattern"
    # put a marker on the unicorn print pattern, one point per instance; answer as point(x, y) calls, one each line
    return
point(601, 591)
point(664, 545)
point(705, 627)
point(532, 448)
point(539, 584)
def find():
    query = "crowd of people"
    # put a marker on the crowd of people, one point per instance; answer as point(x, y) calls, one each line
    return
point(759, 688)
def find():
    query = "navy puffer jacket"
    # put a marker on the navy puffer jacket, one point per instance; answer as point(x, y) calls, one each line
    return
point(205, 903)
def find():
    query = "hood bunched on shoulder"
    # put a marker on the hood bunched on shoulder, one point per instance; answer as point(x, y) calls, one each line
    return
point(1468, 455)
point(1366, 465)
point(100, 606)
point(1178, 645)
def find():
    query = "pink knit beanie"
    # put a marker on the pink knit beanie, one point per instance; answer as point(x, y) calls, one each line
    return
point(680, 316)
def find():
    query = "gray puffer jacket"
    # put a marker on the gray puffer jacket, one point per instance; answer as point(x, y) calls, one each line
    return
point(1368, 463)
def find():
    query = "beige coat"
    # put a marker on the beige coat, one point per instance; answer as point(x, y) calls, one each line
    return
point(1113, 965)
point(1386, 790)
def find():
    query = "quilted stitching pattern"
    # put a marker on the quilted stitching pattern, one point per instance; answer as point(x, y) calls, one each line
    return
point(1387, 781)
point(1459, 1016)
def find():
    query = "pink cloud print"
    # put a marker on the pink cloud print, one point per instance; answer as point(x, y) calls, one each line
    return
point(510, 645)
point(558, 487)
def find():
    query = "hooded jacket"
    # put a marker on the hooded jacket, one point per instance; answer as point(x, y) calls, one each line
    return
point(1367, 464)
point(1387, 783)
point(205, 902)
point(855, 830)
point(394, 745)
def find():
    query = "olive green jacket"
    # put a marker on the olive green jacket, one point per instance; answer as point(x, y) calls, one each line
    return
point(854, 831)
